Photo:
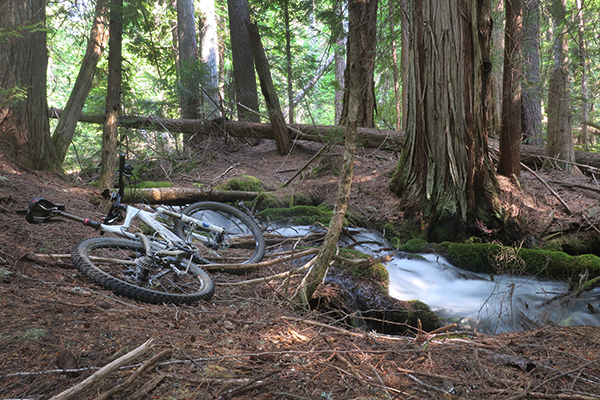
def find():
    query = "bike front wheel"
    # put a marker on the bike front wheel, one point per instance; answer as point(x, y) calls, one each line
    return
point(242, 243)
point(122, 265)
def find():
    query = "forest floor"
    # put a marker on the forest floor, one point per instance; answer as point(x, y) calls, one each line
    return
point(247, 343)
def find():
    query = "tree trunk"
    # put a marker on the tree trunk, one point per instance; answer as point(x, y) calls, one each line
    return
point(110, 131)
point(241, 52)
point(209, 55)
point(444, 177)
point(509, 162)
point(65, 130)
point(288, 60)
point(23, 105)
point(354, 80)
point(339, 27)
point(560, 134)
point(189, 74)
point(362, 14)
point(404, 59)
point(282, 137)
point(397, 98)
point(494, 113)
point(584, 69)
point(532, 90)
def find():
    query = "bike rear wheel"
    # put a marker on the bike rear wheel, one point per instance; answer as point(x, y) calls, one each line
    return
point(121, 265)
point(243, 242)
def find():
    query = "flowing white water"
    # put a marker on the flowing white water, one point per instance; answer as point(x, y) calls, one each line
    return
point(475, 301)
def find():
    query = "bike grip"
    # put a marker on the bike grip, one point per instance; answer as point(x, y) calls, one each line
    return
point(121, 171)
point(121, 162)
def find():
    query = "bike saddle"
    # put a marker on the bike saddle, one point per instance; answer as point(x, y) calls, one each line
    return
point(40, 210)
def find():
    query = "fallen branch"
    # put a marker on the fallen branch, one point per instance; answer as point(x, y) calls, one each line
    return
point(134, 376)
point(148, 387)
point(326, 146)
point(579, 185)
point(181, 196)
point(549, 188)
point(267, 279)
point(251, 385)
point(225, 267)
point(76, 390)
point(363, 261)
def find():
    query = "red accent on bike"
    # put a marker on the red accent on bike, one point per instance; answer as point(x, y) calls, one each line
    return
point(86, 221)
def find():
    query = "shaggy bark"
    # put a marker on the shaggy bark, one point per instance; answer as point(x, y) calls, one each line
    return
point(189, 75)
point(532, 97)
point(23, 104)
point(363, 16)
point(110, 132)
point(246, 94)
point(560, 133)
point(509, 161)
point(445, 162)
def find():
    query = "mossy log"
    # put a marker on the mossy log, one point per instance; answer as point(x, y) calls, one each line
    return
point(545, 264)
point(181, 196)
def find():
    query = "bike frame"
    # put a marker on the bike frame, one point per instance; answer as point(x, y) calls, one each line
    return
point(42, 210)
point(149, 218)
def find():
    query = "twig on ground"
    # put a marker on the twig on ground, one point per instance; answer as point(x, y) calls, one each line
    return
point(134, 376)
point(267, 279)
point(148, 387)
point(549, 188)
point(101, 373)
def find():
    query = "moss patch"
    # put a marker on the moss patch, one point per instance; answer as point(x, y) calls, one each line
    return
point(495, 259)
point(414, 246)
point(299, 215)
point(243, 183)
point(376, 271)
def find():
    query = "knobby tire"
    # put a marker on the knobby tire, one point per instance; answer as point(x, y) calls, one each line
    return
point(110, 263)
point(244, 243)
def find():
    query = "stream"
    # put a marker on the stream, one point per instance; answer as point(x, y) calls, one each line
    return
point(474, 301)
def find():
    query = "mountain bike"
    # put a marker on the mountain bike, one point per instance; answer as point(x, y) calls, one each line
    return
point(159, 253)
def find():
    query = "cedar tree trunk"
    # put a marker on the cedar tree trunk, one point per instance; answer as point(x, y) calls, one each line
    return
point(444, 177)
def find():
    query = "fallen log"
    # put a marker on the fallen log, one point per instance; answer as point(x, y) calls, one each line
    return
point(532, 156)
point(366, 137)
point(179, 196)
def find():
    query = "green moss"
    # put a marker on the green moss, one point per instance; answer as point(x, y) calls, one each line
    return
point(266, 200)
point(243, 183)
point(376, 271)
point(414, 246)
point(299, 215)
point(495, 259)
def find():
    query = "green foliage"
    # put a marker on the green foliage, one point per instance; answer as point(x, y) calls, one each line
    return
point(12, 96)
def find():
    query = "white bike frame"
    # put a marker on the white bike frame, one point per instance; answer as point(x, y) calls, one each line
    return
point(149, 218)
